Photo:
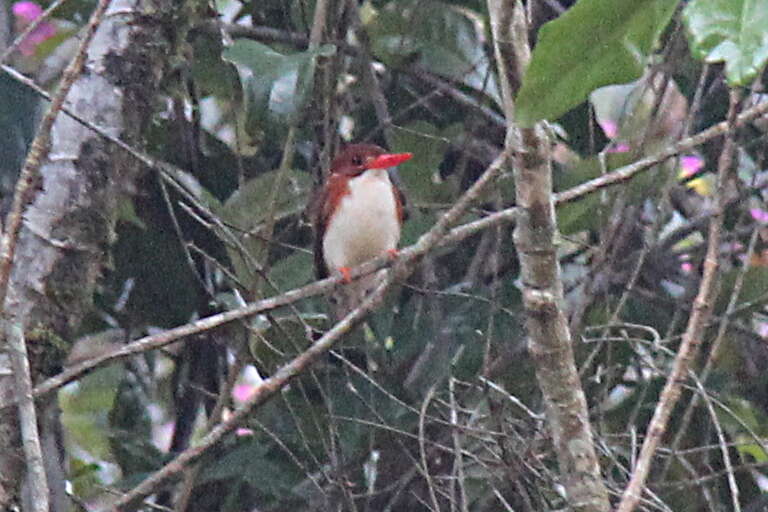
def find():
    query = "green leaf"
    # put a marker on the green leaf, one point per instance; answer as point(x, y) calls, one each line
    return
point(251, 461)
point(246, 209)
point(420, 175)
point(272, 82)
point(85, 409)
point(752, 292)
point(294, 270)
point(730, 31)
point(447, 40)
point(595, 43)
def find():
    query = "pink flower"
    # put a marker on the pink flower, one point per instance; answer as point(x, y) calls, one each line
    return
point(686, 267)
point(690, 165)
point(759, 215)
point(610, 128)
point(28, 11)
point(242, 392)
point(619, 147)
point(25, 13)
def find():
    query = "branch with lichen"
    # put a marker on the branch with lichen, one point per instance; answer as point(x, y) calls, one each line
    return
point(549, 338)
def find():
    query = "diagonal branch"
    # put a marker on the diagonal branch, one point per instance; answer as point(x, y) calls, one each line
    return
point(405, 265)
point(455, 235)
point(697, 323)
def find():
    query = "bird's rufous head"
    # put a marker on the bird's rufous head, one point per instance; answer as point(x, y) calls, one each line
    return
point(355, 159)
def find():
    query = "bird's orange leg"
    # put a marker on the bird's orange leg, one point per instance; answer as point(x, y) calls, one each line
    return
point(345, 273)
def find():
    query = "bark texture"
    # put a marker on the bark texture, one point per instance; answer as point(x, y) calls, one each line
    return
point(535, 238)
point(68, 227)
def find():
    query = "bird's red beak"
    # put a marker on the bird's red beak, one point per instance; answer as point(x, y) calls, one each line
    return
point(386, 161)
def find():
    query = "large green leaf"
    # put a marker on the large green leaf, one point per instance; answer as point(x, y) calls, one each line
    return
point(273, 82)
point(246, 210)
point(444, 39)
point(595, 43)
point(730, 31)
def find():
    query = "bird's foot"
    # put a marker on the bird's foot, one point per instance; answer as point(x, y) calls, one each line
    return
point(346, 274)
point(393, 254)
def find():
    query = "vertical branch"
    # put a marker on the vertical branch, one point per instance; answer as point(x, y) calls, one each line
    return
point(702, 310)
point(33, 453)
point(535, 235)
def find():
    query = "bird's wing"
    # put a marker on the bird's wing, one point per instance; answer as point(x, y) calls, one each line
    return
point(319, 217)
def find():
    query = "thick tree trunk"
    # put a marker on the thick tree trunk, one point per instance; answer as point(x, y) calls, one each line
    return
point(68, 227)
point(549, 339)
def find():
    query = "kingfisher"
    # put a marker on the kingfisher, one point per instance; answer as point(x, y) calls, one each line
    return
point(357, 216)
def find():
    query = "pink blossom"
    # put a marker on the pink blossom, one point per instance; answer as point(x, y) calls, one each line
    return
point(691, 165)
point(619, 147)
point(610, 128)
point(28, 11)
point(242, 392)
point(759, 215)
point(242, 432)
point(686, 267)
point(25, 13)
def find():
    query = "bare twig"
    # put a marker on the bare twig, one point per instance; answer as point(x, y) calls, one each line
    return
point(38, 483)
point(732, 485)
point(702, 310)
point(370, 79)
point(713, 350)
point(458, 459)
point(29, 29)
point(423, 450)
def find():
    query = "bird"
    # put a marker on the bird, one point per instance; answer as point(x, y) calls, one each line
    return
point(357, 215)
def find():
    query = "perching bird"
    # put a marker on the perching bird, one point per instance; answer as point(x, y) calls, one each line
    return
point(357, 215)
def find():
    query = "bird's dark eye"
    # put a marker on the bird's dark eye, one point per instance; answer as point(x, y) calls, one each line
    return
point(357, 160)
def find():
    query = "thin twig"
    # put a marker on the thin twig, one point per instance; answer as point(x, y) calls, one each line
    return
point(33, 453)
point(423, 450)
point(733, 486)
point(458, 459)
point(370, 79)
point(29, 29)
point(714, 349)
point(702, 309)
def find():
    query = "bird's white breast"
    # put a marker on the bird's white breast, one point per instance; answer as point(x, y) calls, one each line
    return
point(365, 224)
